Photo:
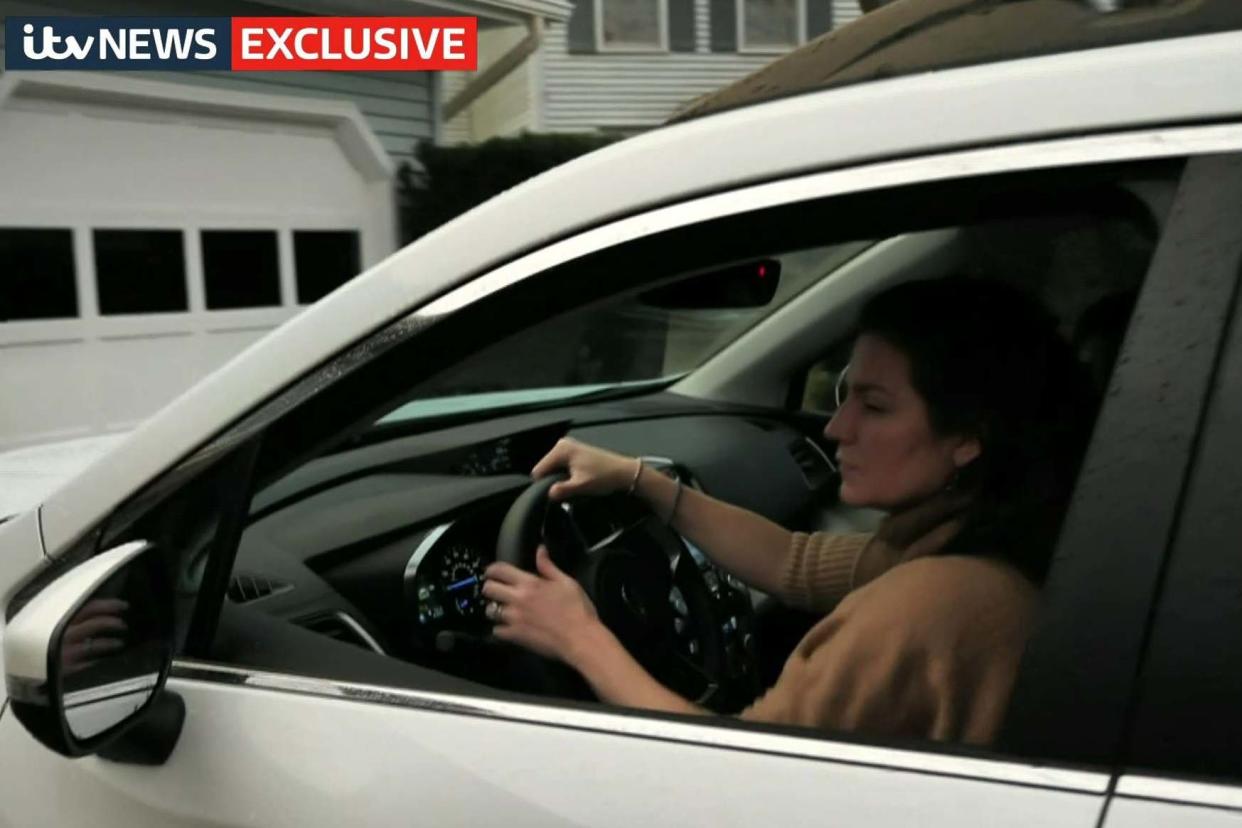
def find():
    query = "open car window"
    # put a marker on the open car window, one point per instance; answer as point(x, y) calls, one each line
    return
point(376, 543)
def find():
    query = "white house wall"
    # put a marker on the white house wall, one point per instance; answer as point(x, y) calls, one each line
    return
point(396, 105)
point(639, 91)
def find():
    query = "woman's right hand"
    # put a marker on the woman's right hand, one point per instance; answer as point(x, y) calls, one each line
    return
point(592, 470)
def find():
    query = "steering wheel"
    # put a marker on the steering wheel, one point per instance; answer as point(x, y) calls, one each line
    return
point(647, 589)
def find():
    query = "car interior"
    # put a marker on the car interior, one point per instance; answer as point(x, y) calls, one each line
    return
point(360, 548)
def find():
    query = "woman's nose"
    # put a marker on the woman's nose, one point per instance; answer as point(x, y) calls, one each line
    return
point(837, 428)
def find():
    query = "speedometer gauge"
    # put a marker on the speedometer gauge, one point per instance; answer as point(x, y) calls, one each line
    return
point(461, 579)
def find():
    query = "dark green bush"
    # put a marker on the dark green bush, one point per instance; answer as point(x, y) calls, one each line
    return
point(455, 178)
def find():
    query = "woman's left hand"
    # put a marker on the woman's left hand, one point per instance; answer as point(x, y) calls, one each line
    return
point(545, 611)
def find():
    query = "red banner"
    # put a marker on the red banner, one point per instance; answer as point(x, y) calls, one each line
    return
point(344, 44)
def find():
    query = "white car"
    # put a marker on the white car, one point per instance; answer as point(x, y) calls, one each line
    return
point(298, 538)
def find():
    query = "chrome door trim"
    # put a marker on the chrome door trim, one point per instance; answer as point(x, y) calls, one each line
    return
point(1132, 145)
point(1165, 789)
point(687, 732)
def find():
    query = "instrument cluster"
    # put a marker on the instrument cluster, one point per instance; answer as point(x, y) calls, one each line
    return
point(444, 583)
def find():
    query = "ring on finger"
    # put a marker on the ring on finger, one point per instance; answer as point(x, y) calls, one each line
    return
point(494, 610)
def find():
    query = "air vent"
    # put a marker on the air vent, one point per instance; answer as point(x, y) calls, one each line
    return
point(244, 588)
point(341, 627)
point(816, 468)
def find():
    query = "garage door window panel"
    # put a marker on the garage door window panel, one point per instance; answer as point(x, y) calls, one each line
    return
point(37, 274)
point(140, 271)
point(240, 269)
point(323, 261)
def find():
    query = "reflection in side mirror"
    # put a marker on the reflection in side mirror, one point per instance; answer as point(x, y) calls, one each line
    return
point(749, 285)
point(87, 656)
point(111, 656)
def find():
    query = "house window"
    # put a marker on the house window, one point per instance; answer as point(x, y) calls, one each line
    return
point(37, 277)
point(770, 25)
point(632, 24)
point(323, 261)
point(140, 271)
point(240, 269)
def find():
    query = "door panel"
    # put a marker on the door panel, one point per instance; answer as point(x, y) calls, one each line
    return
point(1138, 813)
point(260, 757)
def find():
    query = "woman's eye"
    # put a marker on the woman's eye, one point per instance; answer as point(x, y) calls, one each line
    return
point(874, 408)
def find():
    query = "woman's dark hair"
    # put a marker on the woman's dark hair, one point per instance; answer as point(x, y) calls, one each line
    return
point(988, 362)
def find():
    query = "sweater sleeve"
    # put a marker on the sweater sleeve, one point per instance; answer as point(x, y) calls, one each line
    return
point(820, 569)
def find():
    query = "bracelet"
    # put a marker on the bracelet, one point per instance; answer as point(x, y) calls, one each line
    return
point(638, 471)
point(672, 513)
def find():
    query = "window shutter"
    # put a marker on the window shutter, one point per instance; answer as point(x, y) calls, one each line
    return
point(681, 25)
point(582, 27)
point(818, 18)
point(724, 25)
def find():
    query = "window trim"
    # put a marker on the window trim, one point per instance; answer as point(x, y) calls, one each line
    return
point(747, 736)
point(739, 10)
point(662, 47)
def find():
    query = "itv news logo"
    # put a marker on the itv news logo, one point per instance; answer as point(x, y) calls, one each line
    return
point(242, 43)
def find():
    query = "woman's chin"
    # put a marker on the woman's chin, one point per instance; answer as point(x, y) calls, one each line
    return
point(850, 496)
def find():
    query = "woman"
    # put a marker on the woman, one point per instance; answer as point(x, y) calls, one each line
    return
point(964, 419)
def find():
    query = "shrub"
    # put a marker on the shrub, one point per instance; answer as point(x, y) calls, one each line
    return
point(455, 178)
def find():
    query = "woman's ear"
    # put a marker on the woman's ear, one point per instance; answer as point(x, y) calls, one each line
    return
point(966, 451)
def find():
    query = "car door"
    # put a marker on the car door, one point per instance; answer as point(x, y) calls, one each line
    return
point(1183, 761)
point(262, 746)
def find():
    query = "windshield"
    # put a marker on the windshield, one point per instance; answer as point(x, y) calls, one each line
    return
point(622, 344)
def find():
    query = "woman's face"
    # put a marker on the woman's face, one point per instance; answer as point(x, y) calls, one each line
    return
point(888, 453)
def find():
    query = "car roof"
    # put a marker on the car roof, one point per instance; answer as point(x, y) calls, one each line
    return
point(913, 36)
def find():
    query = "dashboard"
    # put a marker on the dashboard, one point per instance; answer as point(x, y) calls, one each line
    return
point(384, 545)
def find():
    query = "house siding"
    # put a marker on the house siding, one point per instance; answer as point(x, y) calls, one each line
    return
point(396, 105)
point(640, 91)
point(843, 11)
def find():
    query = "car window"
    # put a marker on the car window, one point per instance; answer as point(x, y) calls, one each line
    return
point(341, 510)
point(624, 340)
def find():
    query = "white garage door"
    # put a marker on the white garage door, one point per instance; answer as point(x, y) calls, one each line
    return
point(149, 231)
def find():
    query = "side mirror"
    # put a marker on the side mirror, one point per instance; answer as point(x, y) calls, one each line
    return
point(90, 653)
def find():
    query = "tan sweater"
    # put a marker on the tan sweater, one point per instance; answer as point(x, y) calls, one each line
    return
point(920, 646)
